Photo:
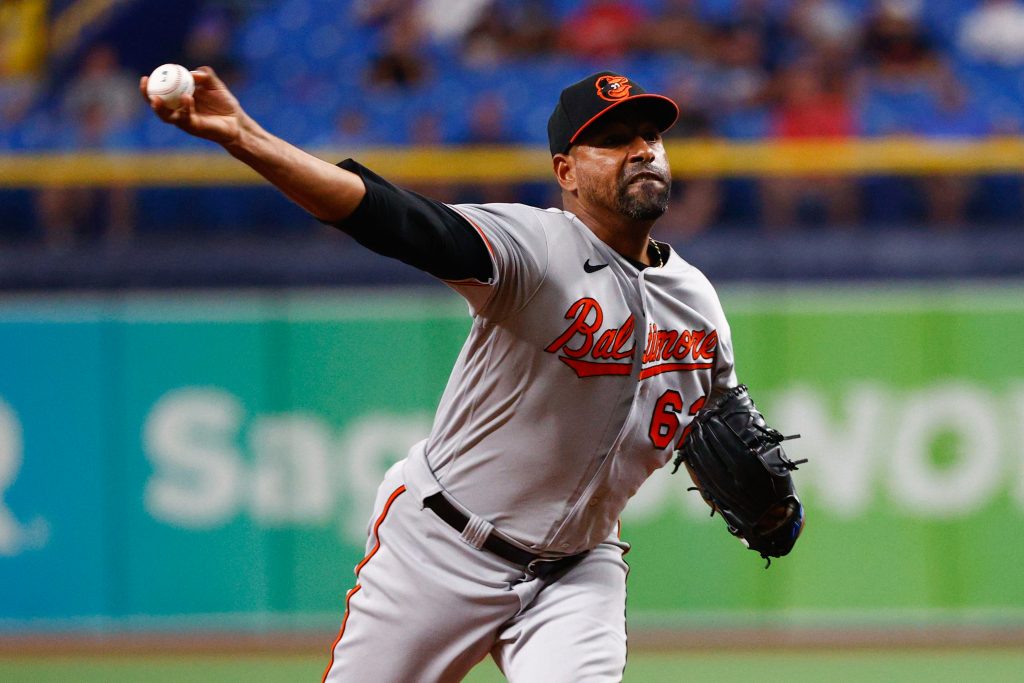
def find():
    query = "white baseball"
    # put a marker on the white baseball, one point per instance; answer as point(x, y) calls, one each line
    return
point(169, 82)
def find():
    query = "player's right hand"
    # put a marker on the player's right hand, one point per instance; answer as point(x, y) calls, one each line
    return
point(212, 112)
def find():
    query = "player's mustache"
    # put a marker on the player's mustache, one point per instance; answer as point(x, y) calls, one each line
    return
point(651, 170)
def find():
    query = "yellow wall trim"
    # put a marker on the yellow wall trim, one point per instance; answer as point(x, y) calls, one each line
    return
point(690, 159)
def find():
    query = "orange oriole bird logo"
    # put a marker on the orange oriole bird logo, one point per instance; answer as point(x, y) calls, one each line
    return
point(613, 88)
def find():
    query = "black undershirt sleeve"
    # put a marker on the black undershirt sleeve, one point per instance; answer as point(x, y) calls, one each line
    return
point(421, 232)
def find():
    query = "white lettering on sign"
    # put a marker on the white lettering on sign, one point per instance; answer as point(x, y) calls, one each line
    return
point(291, 478)
point(967, 482)
point(294, 469)
point(1016, 437)
point(367, 448)
point(10, 463)
point(870, 446)
point(190, 438)
point(842, 449)
point(15, 537)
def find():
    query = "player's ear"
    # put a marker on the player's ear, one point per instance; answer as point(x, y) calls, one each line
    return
point(565, 171)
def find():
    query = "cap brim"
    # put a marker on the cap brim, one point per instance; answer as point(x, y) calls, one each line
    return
point(664, 112)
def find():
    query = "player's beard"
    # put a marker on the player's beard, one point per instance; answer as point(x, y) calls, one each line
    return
point(643, 200)
point(638, 200)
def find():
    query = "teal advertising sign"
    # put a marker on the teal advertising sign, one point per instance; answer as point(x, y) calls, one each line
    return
point(214, 457)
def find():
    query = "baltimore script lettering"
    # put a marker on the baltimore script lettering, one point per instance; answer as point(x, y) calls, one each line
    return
point(592, 350)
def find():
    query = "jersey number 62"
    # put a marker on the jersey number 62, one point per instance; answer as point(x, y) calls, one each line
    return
point(665, 418)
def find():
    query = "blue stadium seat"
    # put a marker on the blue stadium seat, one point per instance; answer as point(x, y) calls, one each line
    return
point(259, 40)
point(943, 17)
point(745, 124)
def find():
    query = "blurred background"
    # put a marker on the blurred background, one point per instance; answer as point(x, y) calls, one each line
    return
point(201, 385)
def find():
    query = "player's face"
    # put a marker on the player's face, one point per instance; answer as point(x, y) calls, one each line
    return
point(621, 166)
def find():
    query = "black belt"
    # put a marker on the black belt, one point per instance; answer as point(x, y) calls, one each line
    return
point(534, 564)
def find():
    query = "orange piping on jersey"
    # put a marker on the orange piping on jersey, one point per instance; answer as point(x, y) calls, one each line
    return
point(348, 596)
point(673, 367)
point(487, 242)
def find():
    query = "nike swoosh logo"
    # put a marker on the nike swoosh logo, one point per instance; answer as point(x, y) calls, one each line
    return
point(593, 269)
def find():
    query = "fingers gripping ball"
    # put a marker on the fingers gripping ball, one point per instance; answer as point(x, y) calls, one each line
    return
point(170, 82)
point(738, 465)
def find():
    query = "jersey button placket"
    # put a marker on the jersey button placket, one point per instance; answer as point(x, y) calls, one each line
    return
point(641, 336)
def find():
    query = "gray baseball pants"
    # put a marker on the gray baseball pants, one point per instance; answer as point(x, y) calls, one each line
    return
point(428, 607)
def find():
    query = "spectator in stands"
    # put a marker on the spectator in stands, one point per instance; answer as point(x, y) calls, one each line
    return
point(102, 81)
point(487, 122)
point(695, 201)
point(69, 215)
point(449, 20)
point(814, 105)
point(351, 129)
point(824, 27)
point(896, 45)
point(601, 29)
point(951, 115)
point(509, 29)
point(994, 32)
point(18, 92)
point(533, 31)
point(402, 62)
point(426, 129)
point(675, 29)
point(763, 18)
point(910, 91)
point(98, 106)
point(377, 13)
point(688, 88)
point(487, 43)
point(209, 43)
point(488, 125)
point(739, 78)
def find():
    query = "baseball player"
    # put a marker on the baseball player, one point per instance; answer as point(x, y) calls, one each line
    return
point(591, 348)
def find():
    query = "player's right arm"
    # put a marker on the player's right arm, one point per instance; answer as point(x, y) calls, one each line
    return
point(328, 192)
point(419, 231)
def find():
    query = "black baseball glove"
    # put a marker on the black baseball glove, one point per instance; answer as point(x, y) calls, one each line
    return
point(737, 463)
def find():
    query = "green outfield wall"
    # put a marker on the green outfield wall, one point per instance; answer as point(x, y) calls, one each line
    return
point(211, 459)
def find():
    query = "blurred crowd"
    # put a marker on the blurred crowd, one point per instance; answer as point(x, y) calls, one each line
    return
point(486, 72)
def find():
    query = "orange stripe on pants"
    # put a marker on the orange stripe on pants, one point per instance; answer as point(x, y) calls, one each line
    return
point(348, 596)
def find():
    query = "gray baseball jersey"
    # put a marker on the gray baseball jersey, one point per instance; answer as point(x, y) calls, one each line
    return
point(579, 376)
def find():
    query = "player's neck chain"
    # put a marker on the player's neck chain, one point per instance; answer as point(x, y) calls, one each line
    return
point(654, 249)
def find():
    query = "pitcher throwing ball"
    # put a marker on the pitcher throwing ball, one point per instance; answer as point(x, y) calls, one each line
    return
point(592, 348)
